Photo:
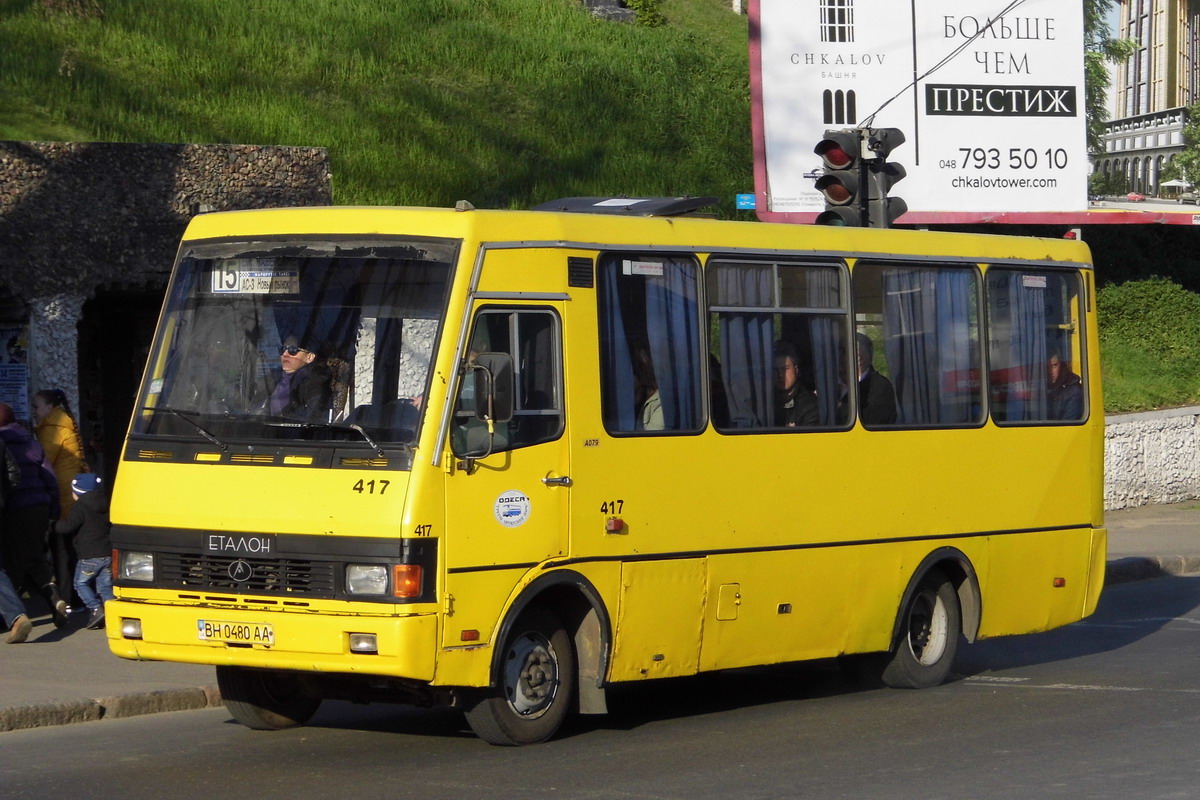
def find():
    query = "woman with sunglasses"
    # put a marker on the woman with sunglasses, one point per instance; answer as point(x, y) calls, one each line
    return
point(301, 389)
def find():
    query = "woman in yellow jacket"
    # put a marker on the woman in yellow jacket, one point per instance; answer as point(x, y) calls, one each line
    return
point(59, 436)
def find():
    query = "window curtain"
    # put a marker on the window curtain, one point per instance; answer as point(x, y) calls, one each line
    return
point(673, 331)
point(746, 341)
point(1025, 349)
point(823, 293)
point(929, 346)
point(616, 364)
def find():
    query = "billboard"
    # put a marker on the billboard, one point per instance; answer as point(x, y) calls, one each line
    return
point(989, 95)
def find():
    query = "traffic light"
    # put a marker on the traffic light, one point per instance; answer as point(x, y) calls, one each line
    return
point(843, 182)
point(882, 210)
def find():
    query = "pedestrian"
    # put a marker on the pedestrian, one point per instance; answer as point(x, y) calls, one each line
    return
point(59, 436)
point(11, 607)
point(25, 519)
point(13, 611)
point(87, 522)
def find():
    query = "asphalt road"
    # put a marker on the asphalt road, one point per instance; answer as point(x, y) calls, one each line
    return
point(1107, 708)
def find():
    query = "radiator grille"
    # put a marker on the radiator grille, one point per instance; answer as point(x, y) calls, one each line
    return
point(271, 576)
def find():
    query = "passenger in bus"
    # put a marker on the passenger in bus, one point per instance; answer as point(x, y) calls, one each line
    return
point(649, 401)
point(876, 397)
point(795, 406)
point(1065, 394)
point(300, 390)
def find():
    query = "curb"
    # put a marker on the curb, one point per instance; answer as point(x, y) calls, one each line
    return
point(1140, 568)
point(130, 705)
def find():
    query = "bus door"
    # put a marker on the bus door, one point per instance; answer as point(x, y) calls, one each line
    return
point(508, 487)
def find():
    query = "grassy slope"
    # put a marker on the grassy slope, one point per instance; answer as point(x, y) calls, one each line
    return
point(502, 102)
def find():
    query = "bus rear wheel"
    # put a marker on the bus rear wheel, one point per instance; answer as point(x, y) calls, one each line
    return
point(535, 685)
point(928, 640)
point(264, 700)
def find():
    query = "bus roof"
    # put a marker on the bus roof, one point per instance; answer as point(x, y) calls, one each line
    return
point(692, 233)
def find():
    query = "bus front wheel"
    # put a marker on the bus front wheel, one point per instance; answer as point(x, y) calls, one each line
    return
point(534, 687)
point(263, 700)
point(929, 631)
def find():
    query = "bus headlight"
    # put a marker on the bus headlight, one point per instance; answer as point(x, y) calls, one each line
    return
point(367, 579)
point(137, 566)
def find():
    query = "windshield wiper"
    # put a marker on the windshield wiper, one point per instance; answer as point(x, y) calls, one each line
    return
point(335, 426)
point(184, 415)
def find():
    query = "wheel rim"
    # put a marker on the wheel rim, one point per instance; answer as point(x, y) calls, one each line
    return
point(928, 628)
point(531, 675)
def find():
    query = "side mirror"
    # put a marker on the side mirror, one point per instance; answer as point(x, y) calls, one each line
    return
point(494, 388)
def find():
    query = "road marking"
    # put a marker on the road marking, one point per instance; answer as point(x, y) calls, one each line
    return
point(1023, 683)
point(1137, 623)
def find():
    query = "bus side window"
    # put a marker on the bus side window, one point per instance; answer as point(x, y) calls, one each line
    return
point(650, 344)
point(531, 337)
point(780, 340)
point(1035, 345)
point(929, 323)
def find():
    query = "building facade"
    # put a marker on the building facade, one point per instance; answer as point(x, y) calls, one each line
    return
point(1152, 90)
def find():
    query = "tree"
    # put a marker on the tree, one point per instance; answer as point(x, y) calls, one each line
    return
point(1100, 50)
point(1102, 183)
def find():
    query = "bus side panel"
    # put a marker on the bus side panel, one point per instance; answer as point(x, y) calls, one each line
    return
point(658, 619)
point(767, 608)
point(1019, 589)
point(475, 601)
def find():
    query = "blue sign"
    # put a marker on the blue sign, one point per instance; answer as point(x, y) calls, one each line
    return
point(745, 202)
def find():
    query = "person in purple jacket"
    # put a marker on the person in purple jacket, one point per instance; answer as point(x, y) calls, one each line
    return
point(28, 509)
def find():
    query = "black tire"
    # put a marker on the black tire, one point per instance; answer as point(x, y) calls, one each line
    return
point(930, 626)
point(535, 687)
point(264, 700)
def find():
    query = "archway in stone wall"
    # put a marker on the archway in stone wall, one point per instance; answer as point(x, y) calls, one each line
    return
point(115, 333)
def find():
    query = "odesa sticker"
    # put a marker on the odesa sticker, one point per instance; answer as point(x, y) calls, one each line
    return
point(512, 509)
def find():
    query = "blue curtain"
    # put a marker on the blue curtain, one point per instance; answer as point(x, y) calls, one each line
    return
point(673, 331)
point(746, 340)
point(823, 293)
point(1024, 351)
point(930, 345)
point(616, 364)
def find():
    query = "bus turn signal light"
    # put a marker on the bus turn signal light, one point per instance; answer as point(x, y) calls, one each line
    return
point(1060, 583)
point(406, 580)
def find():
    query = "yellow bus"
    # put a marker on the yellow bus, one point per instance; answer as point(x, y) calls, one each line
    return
point(504, 460)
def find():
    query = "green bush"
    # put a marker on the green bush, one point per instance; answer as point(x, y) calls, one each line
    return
point(647, 12)
point(1149, 345)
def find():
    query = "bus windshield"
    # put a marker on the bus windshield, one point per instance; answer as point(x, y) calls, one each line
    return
point(322, 341)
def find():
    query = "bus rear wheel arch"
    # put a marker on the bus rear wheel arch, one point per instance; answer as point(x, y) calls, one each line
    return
point(929, 630)
point(266, 700)
point(535, 686)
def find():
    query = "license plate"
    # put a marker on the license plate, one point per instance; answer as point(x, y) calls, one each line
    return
point(211, 630)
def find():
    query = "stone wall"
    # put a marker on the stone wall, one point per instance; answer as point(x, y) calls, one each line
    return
point(74, 215)
point(79, 216)
point(1153, 457)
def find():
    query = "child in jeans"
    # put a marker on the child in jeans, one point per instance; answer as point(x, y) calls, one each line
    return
point(88, 522)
